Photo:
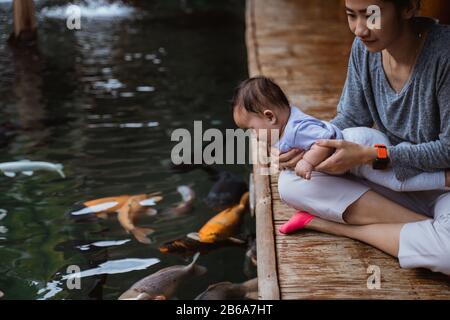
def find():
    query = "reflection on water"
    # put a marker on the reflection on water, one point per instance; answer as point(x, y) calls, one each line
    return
point(113, 267)
point(103, 101)
point(102, 244)
point(90, 9)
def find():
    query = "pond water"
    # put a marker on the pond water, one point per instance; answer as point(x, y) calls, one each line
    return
point(103, 102)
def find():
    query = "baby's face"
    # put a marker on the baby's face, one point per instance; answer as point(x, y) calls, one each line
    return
point(261, 124)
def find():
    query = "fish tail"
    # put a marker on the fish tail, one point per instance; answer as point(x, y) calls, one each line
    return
point(193, 236)
point(59, 168)
point(244, 199)
point(141, 234)
point(61, 173)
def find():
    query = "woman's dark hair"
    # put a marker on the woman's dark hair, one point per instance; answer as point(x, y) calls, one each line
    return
point(258, 93)
point(400, 4)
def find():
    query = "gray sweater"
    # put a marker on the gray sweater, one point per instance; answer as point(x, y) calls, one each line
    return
point(419, 114)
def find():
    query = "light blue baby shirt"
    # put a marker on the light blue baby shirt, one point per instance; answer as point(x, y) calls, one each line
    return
point(302, 131)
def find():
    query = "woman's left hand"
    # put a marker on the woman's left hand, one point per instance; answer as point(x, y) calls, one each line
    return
point(347, 156)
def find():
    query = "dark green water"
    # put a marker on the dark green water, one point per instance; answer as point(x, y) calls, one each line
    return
point(78, 102)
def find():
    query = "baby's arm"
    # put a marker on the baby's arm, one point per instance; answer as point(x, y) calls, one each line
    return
point(311, 159)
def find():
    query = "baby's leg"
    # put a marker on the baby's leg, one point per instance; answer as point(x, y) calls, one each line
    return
point(387, 178)
point(364, 136)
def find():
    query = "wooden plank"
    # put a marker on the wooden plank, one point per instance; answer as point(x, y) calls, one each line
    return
point(316, 266)
point(306, 52)
point(265, 242)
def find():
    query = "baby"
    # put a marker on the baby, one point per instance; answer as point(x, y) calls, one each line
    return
point(259, 103)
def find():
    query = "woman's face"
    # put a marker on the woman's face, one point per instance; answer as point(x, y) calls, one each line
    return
point(391, 23)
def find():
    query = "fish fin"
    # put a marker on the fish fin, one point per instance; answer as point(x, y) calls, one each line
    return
point(195, 258)
point(61, 173)
point(236, 240)
point(143, 296)
point(150, 201)
point(28, 173)
point(252, 295)
point(153, 194)
point(244, 199)
point(140, 296)
point(151, 212)
point(198, 270)
point(141, 234)
point(102, 215)
point(194, 236)
point(251, 285)
point(9, 174)
point(186, 192)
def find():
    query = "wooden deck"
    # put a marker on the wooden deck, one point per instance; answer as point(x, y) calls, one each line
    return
point(304, 46)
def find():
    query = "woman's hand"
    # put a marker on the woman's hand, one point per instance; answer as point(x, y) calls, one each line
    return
point(288, 160)
point(347, 156)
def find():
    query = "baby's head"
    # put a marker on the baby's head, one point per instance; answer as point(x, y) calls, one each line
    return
point(259, 103)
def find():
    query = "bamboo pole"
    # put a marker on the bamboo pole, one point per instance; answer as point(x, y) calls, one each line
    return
point(25, 25)
point(268, 287)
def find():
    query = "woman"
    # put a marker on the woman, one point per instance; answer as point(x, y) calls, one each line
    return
point(398, 80)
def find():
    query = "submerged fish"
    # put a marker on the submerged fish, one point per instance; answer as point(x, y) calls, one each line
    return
point(104, 206)
point(133, 209)
point(164, 283)
point(226, 191)
point(231, 291)
point(188, 196)
point(223, 225)
point(28, 167)
point(188, 246)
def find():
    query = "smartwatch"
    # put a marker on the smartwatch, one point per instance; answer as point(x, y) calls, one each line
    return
point(382, 161)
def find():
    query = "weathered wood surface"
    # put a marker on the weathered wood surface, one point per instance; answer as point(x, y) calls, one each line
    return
point(304, 46)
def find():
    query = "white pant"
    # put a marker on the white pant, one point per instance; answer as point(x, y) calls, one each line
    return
point(387, 178)
point(424, 244)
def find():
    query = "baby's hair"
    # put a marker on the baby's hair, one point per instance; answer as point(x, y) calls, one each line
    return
point(259, 93)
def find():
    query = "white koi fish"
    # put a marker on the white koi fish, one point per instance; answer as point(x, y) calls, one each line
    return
point(27, 167)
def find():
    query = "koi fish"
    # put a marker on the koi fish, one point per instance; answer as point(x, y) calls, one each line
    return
point(164, 283)
point(104, 206)
point(223, 225)
point(133, 209)
point(27, 167)
point(188, 196)
point(187, 246)
point(231, 291)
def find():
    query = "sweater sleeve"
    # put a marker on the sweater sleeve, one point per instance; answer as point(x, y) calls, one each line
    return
point(352, 110)
point(410, 160)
